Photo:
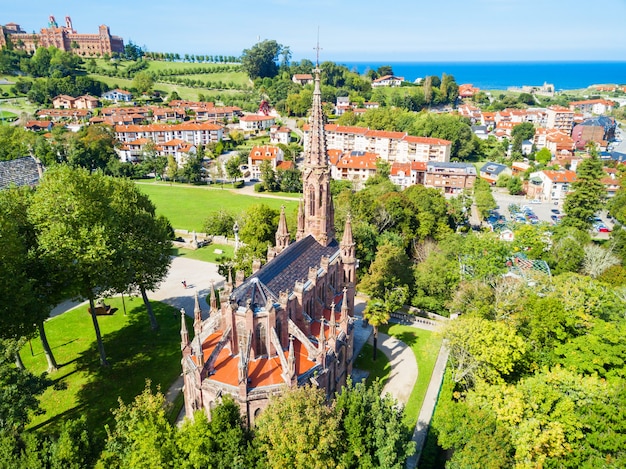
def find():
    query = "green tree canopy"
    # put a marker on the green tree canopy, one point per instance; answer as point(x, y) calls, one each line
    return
point(261, 60)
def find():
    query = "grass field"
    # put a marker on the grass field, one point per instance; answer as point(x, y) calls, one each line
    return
point(135, 353)
point(187, 207)
point(206, 253)
point(379, 369)
point(425, 345)
point(184, 92)
point(236, 77)
point(9, 116)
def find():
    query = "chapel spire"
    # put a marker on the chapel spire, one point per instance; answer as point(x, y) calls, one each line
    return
point(319, 214)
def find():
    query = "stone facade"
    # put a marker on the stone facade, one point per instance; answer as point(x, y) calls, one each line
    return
point(64, 38)
point(290, 323)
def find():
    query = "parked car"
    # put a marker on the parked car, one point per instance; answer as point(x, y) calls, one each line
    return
point(555, 211)
point(604, 229)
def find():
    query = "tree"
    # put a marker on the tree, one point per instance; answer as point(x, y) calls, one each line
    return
point(220, 223)
point(261, 60)
point(224, 441)
point(93, 147)
point(587, 194)
point(146, 245)
point(597, 260)
point(483, 198)
point(379, 310)
point(482, 349)
point(384, 70)
point(172, 170)
point(43, 282)
point(260, 225)
point(290, 180)
point(232, 168)
point(19, 390)
point(371, 428)
point(143, 82)
point(192, 169)
point(142, 437)
point(515, 186)
point(391, 268)
point(543, 156)
point(298, 430)
point(78, 230)
point(521, 132)
point(268, 176)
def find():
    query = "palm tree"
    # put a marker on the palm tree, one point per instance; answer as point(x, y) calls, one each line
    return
point(376, 314)
point(378, 311)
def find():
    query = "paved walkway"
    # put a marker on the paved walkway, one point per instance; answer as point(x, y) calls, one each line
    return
point(428, 407)
point(403, 367)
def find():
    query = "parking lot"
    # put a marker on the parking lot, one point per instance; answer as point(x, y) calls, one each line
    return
point(543, 210)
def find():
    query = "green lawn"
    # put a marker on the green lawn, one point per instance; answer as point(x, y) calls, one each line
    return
point(135, 353)
point(207, 253)
point(187, 207)
point(425, 346)
point(239, 78)
point(9, 116)
point(378, 369)
point(184, 92)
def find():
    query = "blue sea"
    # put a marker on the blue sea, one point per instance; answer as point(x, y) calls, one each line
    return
point(502, 75)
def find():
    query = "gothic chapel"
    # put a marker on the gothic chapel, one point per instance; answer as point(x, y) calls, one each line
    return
point(290, 323)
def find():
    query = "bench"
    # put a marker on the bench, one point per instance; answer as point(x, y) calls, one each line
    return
point(102, 310)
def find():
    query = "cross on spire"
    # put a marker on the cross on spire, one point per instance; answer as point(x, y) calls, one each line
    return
point(317, 50)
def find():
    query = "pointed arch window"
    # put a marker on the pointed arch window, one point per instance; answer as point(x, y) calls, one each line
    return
point(261, 340)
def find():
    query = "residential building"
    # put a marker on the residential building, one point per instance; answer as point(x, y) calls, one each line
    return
point(593, 106)
point(258, 154)
point(134, 151)
point(518, 168)
point(467, 90)
point(290, 323)
point(64, 38)
point(191, 132)
point(254, 122)
point(354, 166)
point(38, 125)
point(611, 182)
point(302, 78)
point(560, 143)
point(58, 115)
point(207, 111)
point(390, 146)
point(280, 134)
point(550, 185)
point(490, 172)
point(599, 129)
point(560, 118)
point(388, 80)
point(69, 102)
point(451, 178)
point(118, 96)
point(408, 174)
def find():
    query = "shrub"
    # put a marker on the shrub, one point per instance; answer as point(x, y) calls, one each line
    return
point(259, 187)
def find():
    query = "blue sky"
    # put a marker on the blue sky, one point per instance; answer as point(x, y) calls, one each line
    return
point(353, 30)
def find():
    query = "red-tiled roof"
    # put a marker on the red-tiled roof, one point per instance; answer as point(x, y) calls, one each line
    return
point(563, 176)
point(167, 127)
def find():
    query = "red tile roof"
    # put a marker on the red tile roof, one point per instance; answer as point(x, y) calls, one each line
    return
point(563, 176)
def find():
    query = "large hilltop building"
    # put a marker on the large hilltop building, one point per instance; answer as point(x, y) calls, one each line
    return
point(62, 37)
point(290, 322)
